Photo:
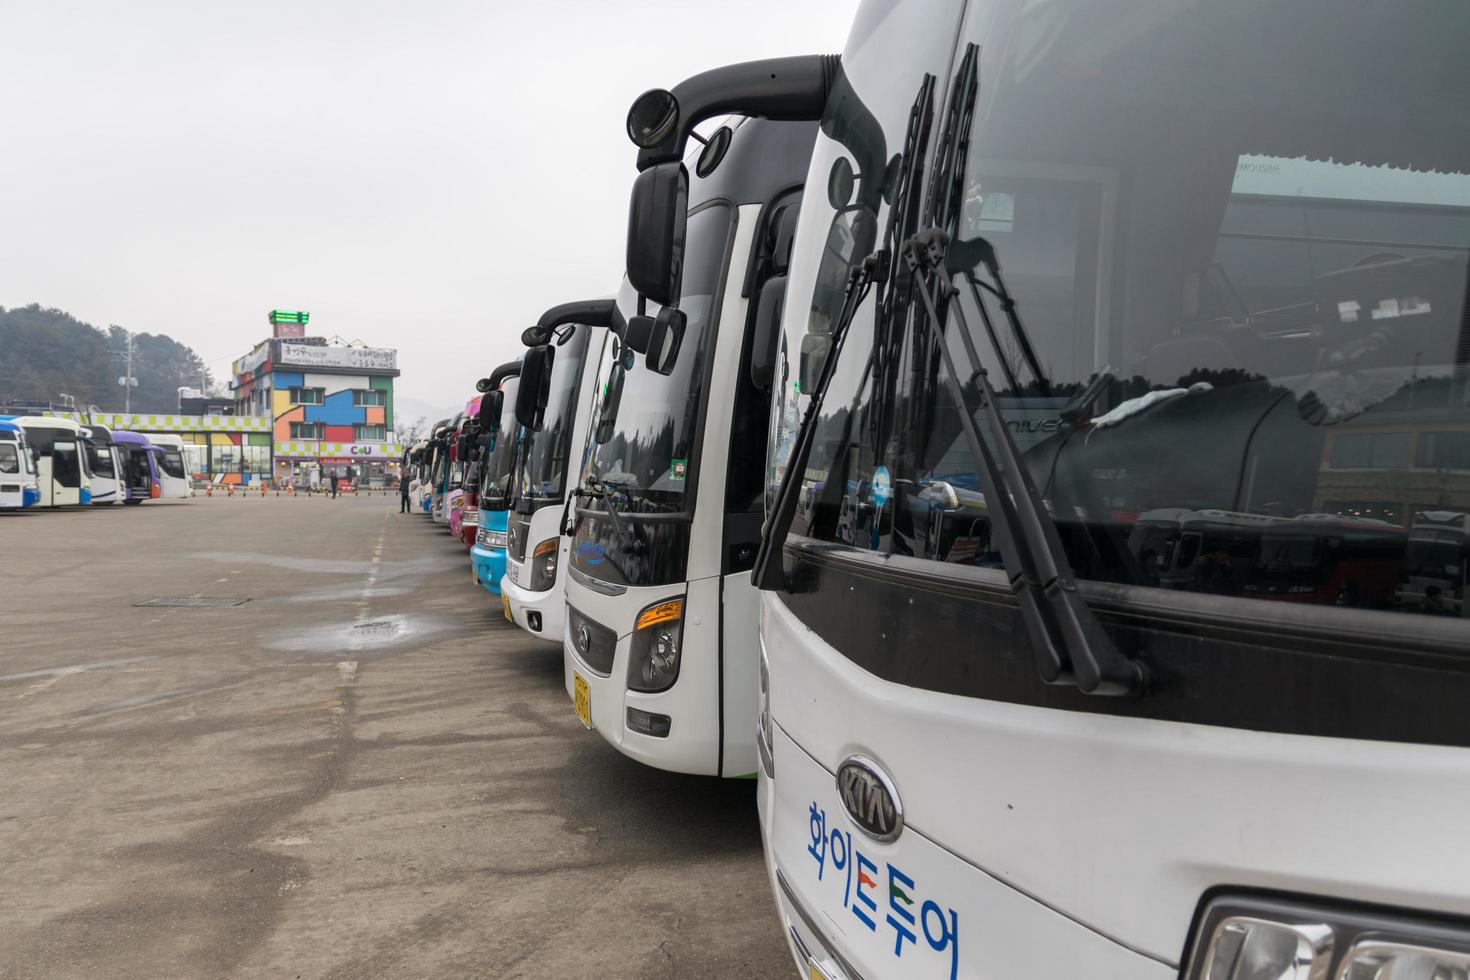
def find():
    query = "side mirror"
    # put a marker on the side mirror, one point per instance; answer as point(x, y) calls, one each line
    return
point(665, 339)
point(814, 350)
point(840, 182)
point(767, 335)
point(491, 404)
point(535, 386)
point(657, 215)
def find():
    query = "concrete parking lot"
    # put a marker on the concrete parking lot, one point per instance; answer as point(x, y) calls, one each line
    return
point(362, 771)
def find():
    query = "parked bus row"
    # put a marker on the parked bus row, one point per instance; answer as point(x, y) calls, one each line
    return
point(1036, 445)
point(56, 462)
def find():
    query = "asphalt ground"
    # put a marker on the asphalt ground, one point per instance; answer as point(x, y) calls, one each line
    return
point(363, 771)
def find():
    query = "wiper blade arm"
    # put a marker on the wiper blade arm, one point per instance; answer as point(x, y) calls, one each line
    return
point(964, 257)
point(595, 489)
point(1069, 643)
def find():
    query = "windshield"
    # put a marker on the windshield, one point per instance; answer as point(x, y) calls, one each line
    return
point(499, 466)
point(99, 460)
point(544, 476)
point(646, 450)
point(1243, 274)
point(171, 461)
point(9, 458)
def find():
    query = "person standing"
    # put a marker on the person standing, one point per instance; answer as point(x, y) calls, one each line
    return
point(332, 479)
point(403, 507)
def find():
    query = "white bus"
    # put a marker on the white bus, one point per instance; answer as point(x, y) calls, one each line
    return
point(173, 476)
point(17, 469)
point(659, 648)
point(571, 338)
point(109, 482)
point(1106, 259)
point(62, 475)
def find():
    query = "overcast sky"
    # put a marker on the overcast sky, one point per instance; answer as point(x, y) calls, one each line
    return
point(423, 175)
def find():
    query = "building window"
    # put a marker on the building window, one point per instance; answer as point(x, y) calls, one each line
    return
point(307, 396)
point(369, 433)
point(307, 430)
point(369, 398)
point(1444, 450)
point(1372, 451)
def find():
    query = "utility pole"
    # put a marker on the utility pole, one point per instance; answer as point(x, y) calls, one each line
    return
point(127, 381)
point(128, 384)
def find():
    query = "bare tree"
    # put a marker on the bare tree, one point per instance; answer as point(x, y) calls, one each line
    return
point(407, 434)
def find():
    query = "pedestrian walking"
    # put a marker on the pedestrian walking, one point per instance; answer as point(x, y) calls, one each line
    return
point(332, 479)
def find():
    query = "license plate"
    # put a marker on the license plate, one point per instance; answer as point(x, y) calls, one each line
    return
point(582, 699)
point(505, 607)
point(513, 570)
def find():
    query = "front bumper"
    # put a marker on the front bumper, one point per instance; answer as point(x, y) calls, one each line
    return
point(487, 565)
point(550, 607)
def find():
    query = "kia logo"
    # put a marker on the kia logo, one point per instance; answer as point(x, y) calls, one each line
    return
point(584, 637)
point(870, 798)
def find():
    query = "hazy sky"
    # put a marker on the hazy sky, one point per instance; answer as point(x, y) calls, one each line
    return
point(425, 175)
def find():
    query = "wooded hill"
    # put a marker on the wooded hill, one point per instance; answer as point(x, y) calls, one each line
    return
point(44, 352)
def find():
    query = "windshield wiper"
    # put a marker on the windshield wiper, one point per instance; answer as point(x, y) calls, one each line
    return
point(1069, 644)
point(595, 489)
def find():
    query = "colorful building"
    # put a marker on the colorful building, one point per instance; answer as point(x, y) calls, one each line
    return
point(217, 448)
point(330, 405)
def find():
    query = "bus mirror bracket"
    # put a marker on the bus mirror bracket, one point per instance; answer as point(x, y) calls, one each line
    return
point(491, 404)
point(535, 388)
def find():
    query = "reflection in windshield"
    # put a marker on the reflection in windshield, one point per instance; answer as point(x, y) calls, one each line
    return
point(172, 464)
point(648, 452)
point(544, 474)
point(499, 466)
point(1256, 277)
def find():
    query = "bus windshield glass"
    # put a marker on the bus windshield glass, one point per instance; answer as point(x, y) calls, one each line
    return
point(499, 466)
point(9, 457)
point(171, 461)
point(647, 452)
point(100, 460)
point(1236, 236)
point(544, 475)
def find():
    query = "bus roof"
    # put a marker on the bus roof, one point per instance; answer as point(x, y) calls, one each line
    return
point(131, 438)
point(48, 422)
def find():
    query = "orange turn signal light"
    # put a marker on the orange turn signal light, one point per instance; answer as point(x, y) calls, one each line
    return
point(662, 613)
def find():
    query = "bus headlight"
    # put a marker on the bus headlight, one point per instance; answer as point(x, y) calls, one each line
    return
point(491, 539)
point(653, 665)
point(1279, 939)
point(543, 564)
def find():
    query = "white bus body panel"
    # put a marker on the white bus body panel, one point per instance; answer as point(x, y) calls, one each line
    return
point(997, 786)
point(692, 745)
point(23, 480)
point(172, 487)
point(694, 703)
point(546, 522)
point(53, 494)
point(550, 603)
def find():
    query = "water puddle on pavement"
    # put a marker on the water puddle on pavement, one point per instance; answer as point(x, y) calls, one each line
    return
point(381, 633)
